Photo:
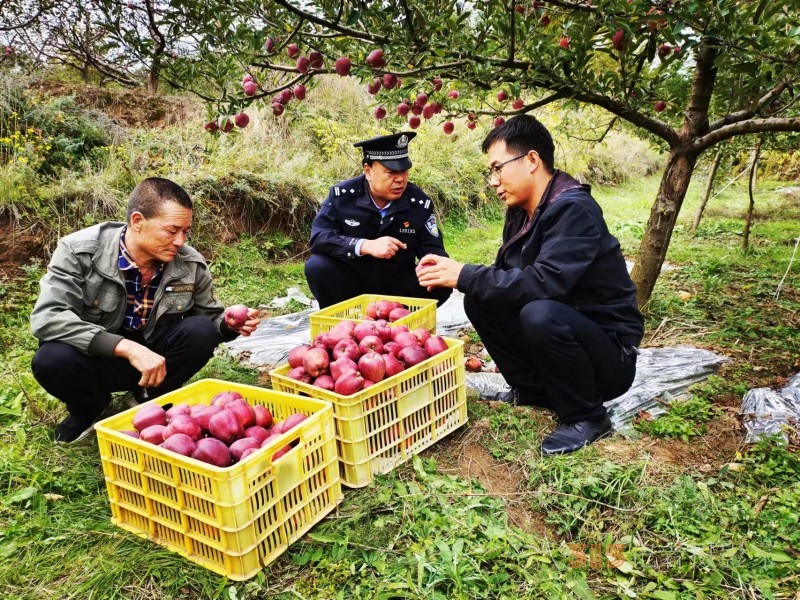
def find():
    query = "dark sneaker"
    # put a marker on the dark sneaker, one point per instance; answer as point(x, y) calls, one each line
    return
point(74, 428)
point(568, 437)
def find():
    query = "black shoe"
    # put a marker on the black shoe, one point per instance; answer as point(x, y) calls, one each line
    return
point(74, 428)
point(522, 397)
point(137, 397)
point(568, 437)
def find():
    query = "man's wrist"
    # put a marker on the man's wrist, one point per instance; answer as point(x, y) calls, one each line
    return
point(359, 244)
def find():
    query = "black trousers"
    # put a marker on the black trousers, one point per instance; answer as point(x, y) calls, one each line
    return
point(332, 280)
point(84, 383)
point(555, 355)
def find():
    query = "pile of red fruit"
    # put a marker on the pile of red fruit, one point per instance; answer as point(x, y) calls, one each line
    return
point(388, 310)
point(351, 357)
point(220, 433)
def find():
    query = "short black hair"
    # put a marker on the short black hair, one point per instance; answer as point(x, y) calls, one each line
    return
point(153, 192)
point(522, 134)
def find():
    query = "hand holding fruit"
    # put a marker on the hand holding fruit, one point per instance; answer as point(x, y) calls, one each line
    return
point(383, 247)
point(242, 319)
point(152, 366)
point(438, 271)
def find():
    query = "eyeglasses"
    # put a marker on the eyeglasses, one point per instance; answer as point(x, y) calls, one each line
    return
point(496, 171)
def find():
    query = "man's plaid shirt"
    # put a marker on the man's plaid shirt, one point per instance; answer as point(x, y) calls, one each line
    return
point(140, 297)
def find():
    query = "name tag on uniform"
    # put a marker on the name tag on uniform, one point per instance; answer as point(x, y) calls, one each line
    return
point(186, 287)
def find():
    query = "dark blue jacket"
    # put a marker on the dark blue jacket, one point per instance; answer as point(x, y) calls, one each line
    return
point(565, 253)
point(348, 214)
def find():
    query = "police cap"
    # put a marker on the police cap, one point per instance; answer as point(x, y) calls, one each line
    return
point(390, 150)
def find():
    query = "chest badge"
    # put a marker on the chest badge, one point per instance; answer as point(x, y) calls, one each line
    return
point(352, 222)
point(406, 223)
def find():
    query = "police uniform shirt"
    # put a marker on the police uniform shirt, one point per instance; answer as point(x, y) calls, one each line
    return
point(349, 215)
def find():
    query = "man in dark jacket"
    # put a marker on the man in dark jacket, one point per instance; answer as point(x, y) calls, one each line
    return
point(127, 306)
point(370, 230)
point(557, 310)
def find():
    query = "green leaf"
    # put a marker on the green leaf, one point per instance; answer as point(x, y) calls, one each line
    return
point(580, 587)
point(773, 555)
point(353, 18)
point(22, 494)
point(662, 595)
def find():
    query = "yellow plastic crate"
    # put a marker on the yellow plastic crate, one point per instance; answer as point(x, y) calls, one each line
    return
point(383, 426)
point(233, 520)
point(423, 313)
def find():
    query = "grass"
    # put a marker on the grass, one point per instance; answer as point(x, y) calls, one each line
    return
point(675, 515)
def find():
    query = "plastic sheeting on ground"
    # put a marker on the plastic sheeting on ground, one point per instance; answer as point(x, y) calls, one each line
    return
point(772, 412)
point(661, 373)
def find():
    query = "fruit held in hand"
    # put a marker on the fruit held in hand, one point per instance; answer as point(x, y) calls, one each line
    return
point(236, 315)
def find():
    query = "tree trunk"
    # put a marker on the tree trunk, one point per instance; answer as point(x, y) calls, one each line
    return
point(709, 187)
point(751, 189)
point(152, 78)
point(663, 214)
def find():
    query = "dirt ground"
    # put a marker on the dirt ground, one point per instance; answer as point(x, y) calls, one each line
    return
point(464, 455)
point(128, 108)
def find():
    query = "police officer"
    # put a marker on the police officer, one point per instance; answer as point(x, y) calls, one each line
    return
point(371, 230)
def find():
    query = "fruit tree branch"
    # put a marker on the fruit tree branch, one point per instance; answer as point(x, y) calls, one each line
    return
point(743, 128)
point(751, 110)
point(359, 35)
